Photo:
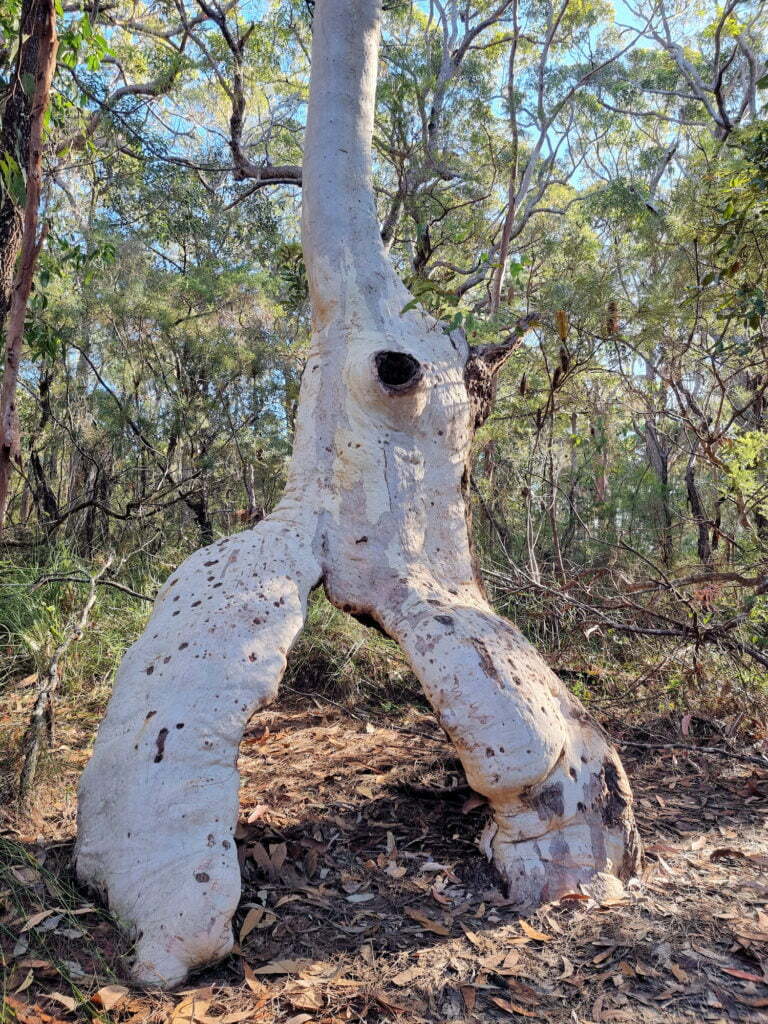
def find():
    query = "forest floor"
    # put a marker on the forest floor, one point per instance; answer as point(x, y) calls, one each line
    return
point(366, 899)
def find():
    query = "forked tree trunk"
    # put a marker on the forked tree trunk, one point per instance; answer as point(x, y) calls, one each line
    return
point(375, 509)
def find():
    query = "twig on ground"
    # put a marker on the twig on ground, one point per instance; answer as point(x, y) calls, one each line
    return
point(761, 762)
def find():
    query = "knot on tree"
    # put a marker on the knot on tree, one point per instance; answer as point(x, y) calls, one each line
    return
point(397, 371)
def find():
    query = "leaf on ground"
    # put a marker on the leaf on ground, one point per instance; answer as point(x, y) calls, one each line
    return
point(469, 995)
point(513, 1008)
point(532, 932)
point(110, 995)
point(253, 983)
point(406, 977)
point(26, 983)
point(36, 919)
point(427, 922)
point(250, 921)
point(744, 975)
point(68, 1002)
point(193, 1007)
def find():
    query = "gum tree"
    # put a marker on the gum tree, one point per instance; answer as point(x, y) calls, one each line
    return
point(374, 510)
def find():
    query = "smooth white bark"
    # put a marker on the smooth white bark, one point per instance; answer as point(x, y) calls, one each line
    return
point(158, 800)
point(375, 508)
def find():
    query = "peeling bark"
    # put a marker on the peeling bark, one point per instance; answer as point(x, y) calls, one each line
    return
point(375, 508)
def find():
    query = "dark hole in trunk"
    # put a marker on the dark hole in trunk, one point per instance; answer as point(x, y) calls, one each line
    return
point(397, 370)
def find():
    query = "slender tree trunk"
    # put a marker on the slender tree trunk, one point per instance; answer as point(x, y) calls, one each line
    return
point(697, 511)
point(376, 508)
point(24, 131)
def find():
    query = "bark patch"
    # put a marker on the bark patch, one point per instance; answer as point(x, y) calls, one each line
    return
point(549, 802)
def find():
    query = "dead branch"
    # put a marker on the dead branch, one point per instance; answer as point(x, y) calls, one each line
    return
point(41, 722)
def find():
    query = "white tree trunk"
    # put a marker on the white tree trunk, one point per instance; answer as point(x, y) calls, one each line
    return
point(375, 509)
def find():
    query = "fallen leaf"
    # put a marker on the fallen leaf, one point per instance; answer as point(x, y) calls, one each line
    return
point(406, 977)
point(66, 1001)
point(532, 933)
point(36, 919)
point(744, 975)
point(427, 922)
point(110, 995)
point(251, 981)
point(567, 968)
point(512, 1007)
point(679, 973)
point(26, 983)
point(250, 921)
point(469, 995)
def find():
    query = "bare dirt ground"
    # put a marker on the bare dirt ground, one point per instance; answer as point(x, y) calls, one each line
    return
point(366, 899)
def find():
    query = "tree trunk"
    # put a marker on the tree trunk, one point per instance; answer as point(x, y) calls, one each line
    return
point(375, 509)
point(22, 130)
point(697, 511)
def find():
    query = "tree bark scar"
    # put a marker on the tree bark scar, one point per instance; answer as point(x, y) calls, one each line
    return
point(615, 811)
point(615, 801)
point(487, 662)
point(548, 802)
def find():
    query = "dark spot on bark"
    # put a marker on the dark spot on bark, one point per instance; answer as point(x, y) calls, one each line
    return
point(214, 561)
point(257, 621)
point(548, 803)
point(487, 663)
point(252, 656)
point(196, 603)
point(176, 612)
point(446, 620)
point(573, 773)
point(583, 759)
point(149, 715)
point(201, 876)
point(361, 540)
point(182, 646)
point(179, 725)
point(580, 807)
point(176, 598)
point(150, 669)
point(226, 844)
point(160, 743)
point(166, 659)
point(397, 371)
point(490, 752)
